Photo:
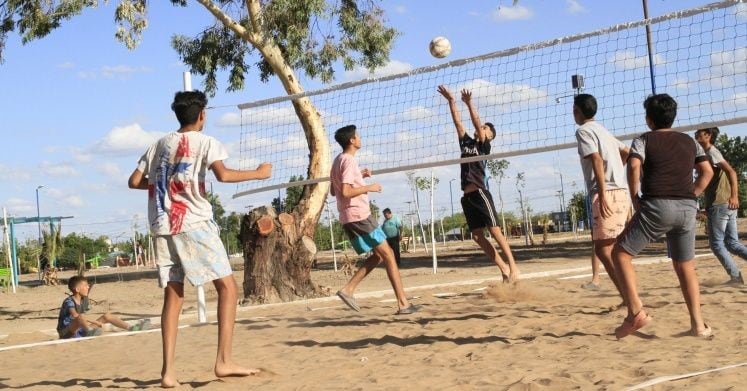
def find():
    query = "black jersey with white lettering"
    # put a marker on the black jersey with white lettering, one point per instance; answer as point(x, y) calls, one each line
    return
point(473, 172)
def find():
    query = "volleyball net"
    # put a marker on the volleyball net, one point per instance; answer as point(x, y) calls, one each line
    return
point(699, 57)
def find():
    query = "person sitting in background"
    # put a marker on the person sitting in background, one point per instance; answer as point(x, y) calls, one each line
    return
point(72, 324)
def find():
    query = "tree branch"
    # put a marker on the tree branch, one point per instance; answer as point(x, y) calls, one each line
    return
point(228, 22)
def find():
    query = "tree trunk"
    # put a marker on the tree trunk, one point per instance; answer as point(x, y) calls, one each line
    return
point(278, 266)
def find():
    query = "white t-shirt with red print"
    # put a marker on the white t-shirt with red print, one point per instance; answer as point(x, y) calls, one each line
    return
point(176, 166)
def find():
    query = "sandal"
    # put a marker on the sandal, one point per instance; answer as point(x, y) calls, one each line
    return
point(409, 310)
point(630, 325)
point(706, 333)
point(349, 300)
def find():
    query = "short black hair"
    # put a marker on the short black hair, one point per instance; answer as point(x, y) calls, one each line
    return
point(661, 109)
point(74, 281)
point(713, 132)
point(387, 210)
point(188, 105)
point(344, 134)
point(587, 105)
point(492, 128)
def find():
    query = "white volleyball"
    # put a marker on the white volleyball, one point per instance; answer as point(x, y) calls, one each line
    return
point(440, 47)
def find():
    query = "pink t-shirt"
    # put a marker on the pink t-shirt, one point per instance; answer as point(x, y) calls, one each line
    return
point(345, 170)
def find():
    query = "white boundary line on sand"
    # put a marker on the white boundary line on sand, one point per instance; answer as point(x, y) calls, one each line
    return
point(374, 294)
point(663, 379)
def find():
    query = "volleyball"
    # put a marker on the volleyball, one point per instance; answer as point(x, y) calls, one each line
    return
point(440, 47)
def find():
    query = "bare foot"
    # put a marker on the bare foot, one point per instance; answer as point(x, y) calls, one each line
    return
point(169, 381)
point(231, 369)
point(514, 276)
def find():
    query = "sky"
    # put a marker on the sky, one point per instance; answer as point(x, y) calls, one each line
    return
point(80, 108)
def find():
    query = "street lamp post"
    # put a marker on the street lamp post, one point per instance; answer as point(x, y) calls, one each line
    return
point(38, 224)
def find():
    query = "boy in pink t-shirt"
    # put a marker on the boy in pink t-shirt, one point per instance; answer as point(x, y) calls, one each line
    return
point(359, 225)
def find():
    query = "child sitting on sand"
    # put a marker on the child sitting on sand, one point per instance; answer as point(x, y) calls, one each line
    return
point(71, 322)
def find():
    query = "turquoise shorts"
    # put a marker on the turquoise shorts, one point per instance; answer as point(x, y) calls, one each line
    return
point(364, 235)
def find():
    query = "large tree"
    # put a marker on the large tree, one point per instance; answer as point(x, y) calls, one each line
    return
point(279, 38)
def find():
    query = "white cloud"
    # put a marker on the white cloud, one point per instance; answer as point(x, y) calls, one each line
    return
point(121, 71)
point(415, 113)
point(517, 12)
point(627, 60)
point(741, 10)
point(267, 115)
point(11, 174)
point(58, 169)
point(681, 83)
point(574, 7)
point(727, 65)
point(740, 98)
point(392, 68)
point(109, 169)
point(112, 71)
point(17, 206)
point(400, 9)
point(125, 140)
point(66, 65)
point(487, 93)
point(86, 74)
point(72, 201)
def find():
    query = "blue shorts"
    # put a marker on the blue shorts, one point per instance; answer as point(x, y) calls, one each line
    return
point(364, 235)
point(198, 255)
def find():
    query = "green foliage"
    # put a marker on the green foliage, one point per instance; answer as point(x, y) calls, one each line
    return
point(577, 206)
point(312, 35)
point(734, 150)
point(497, 168)
point(229, 225)
point(34, 19)
point(293, 193)
point(79, 248)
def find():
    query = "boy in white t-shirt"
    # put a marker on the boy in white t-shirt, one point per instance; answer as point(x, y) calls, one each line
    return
point(187, 242)
point(359, 225)
point(602, 157)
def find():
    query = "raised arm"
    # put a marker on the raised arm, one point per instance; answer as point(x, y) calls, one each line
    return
point(349, 191)
point(228, 175)
point(479, 133)
point(454, 110)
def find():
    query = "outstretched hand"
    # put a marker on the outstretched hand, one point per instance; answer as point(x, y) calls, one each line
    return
point(446, 93)
point(264, 170)
point(466, 96)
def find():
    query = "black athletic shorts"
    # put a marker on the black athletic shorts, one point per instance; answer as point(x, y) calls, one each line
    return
point(479, 209)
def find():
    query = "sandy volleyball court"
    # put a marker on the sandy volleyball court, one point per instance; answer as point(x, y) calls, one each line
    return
point(474, 333)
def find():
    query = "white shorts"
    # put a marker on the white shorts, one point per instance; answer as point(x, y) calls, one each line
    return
point(199, 255)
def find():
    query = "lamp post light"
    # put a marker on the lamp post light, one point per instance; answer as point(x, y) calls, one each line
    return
point(38, 224)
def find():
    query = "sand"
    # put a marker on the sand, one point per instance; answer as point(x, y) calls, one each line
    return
point(473, 334)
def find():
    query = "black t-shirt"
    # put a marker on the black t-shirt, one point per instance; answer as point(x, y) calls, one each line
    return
point(473, 172)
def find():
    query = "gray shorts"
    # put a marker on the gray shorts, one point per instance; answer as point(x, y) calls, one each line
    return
point(657, 217)
point(198, 255)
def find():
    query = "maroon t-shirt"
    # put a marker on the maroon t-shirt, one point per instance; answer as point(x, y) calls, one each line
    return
point(668, 159)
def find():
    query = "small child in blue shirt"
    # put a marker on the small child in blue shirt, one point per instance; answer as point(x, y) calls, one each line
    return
point(72, 324)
